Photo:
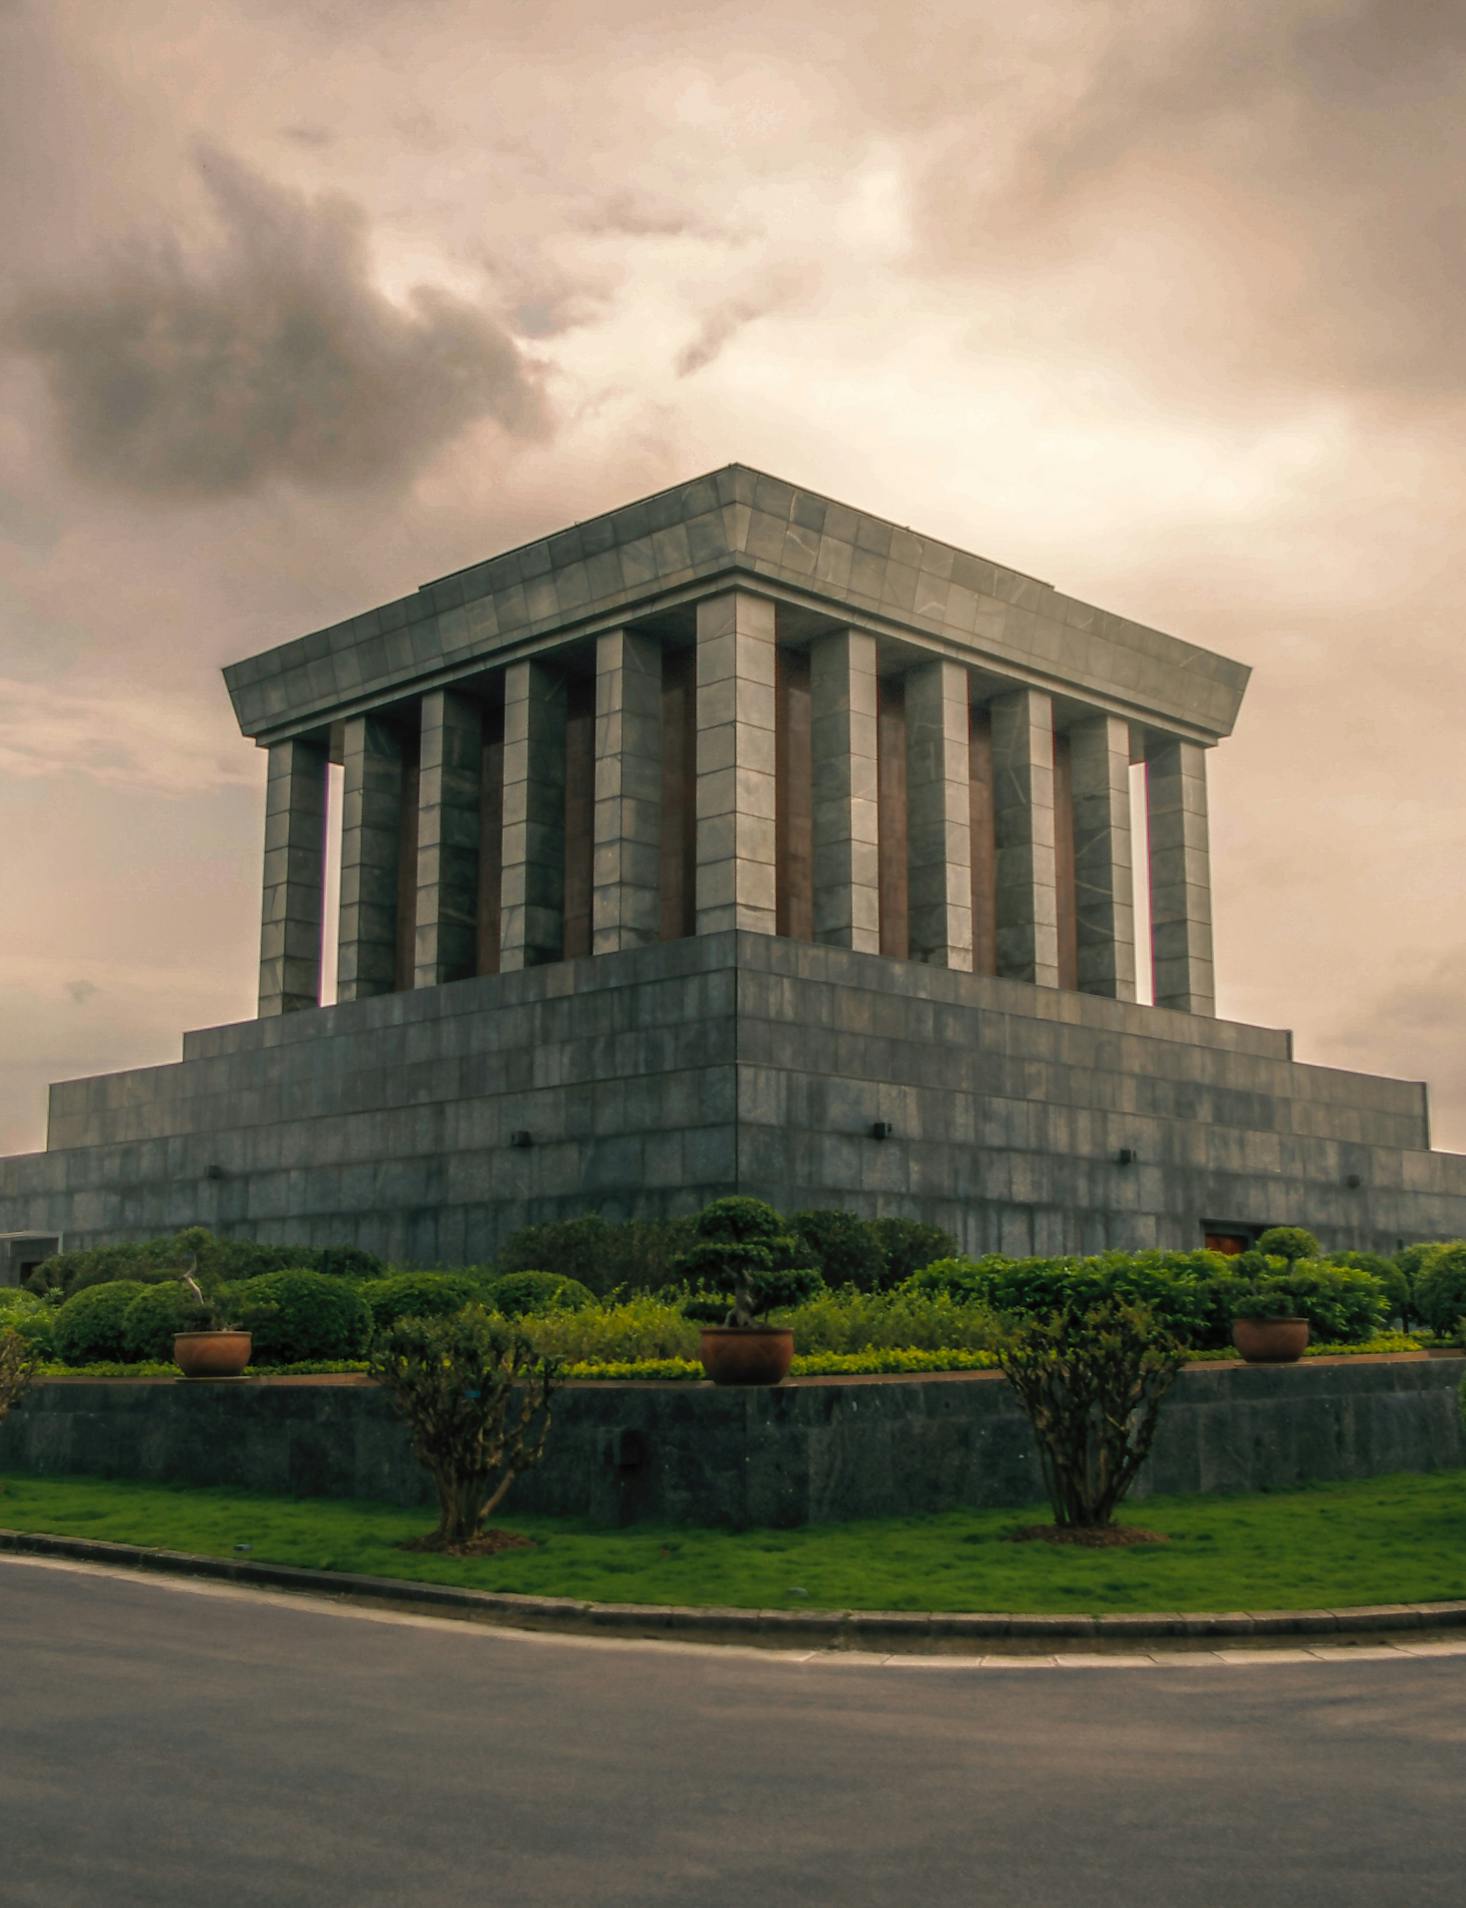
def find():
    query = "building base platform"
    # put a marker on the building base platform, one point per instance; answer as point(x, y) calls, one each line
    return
point(426, 1125)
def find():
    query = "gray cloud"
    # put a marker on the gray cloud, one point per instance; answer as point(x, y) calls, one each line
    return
point(1286, 172)
point(275, 356)
point(725, 320)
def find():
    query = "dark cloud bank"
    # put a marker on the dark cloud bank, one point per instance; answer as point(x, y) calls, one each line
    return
point(273, 356)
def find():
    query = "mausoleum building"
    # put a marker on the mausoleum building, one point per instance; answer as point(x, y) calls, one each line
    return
point(736, 840)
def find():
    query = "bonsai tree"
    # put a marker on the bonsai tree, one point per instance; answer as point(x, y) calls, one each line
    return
point(17, 1370)
point(1277, 1299)
point(476, 1397)
point(1289, 1242)
point(1092, 1381)
point(742, 1263)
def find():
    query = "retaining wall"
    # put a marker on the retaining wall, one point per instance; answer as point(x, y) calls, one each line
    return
point(813, 1451)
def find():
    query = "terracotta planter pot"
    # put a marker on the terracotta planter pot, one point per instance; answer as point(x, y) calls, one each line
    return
point(211, 1354)
point(746, 1354)
point(1270, 1341)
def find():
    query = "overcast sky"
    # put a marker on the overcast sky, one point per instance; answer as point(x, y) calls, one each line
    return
point(308, 301)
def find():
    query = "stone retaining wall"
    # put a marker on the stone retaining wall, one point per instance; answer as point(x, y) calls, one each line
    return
point(810, 1452)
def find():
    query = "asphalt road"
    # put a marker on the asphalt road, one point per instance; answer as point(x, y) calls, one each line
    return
point(163, 1745)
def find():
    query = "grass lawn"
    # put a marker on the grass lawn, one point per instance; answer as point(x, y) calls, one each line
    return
point(1387, 1540)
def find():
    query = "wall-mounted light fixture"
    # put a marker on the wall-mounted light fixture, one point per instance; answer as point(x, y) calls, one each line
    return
point(1126, 1156)
point(521, 1137)
point(881, 1129)
point(213, 1172)
point(1353, 1181)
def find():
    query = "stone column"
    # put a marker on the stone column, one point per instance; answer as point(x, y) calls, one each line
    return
point(939, 815)
point(1023, 825)
point(626, 868)
point(1180, 878)
point(736, 851)
point(532, 881)
point(847, 872)
point(450, 796)
point(371, 845)
point(1104, 898)
point(292, 910)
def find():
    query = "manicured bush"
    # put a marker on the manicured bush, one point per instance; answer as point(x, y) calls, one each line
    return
point(300, 1315)
point(520, 1292)
point(1184, 1291)
point(604, 1255)
point(909, 1244)
point(1339, 1304)
point(88, 1328)
point(842, 1248)
point(476, 1396)
point(1092, 1378)
point(639, 1328)
point(743, 1263)
point(849, 1322)
point(1289, 1242)
point(417, 1295)
point(156, 1314)
point(1399, 1300)
point(1440, 1290)
point(214, 1261)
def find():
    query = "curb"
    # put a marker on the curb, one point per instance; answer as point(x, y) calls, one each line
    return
point(892, 1631)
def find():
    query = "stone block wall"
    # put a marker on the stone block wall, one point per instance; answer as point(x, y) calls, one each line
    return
point(810, 1452)
point(653, 1079)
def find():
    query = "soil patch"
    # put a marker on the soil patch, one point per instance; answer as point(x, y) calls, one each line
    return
point(487, 1544)
point(1111, 1537)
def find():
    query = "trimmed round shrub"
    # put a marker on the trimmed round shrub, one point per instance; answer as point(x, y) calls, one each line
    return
point(88, 1328)
point(841, 1247)
point(1290, 1243)
point(299, 1316)
point(154, 1316)
point(909, 1244)
point(1440, 1290)
point(518, 1293)
point(418, 1295)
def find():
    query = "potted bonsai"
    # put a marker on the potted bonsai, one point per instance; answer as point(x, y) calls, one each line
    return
point(1266, 1326)
point(741, 1265)
point(208, 1346)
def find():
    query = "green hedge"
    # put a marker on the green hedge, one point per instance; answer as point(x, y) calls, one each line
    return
point(418, 1295)
point(216, 1261)
point(518, 1293)
point(89, 1327)
point(1192, 1294)
point(300, 1315)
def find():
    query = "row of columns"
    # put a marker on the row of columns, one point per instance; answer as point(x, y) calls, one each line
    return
point(416, 814)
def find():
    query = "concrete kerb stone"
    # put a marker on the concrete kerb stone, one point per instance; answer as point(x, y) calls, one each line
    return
point(881, 1632)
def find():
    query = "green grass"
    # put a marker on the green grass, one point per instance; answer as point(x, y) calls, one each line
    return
point(1387, 1540)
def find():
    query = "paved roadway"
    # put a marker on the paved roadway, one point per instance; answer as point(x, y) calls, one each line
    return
point(167, 1745)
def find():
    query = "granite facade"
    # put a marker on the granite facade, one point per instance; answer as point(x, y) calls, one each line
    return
point(653, 1079)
